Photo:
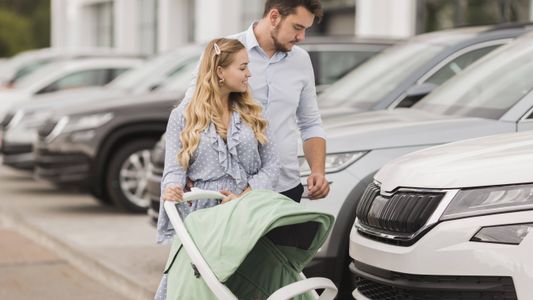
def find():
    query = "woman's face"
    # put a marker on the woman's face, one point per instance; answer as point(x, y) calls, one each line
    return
point(236, 74)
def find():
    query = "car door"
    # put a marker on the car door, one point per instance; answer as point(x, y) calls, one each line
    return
point(445, 70)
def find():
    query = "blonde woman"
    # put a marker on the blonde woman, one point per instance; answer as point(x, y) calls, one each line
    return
point(219, 140)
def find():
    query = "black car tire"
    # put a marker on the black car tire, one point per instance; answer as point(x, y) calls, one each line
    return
point(114, 191)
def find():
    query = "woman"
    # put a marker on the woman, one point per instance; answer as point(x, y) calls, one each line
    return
point(219, 140)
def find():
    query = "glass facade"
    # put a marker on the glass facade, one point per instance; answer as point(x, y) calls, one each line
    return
point(443, 14)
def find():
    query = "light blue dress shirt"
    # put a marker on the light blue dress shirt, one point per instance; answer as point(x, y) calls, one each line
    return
point(285, 86)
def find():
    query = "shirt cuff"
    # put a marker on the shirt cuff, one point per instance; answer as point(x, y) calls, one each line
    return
point(317, 131)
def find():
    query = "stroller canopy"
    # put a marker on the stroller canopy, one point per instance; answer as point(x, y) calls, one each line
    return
point(253, 237)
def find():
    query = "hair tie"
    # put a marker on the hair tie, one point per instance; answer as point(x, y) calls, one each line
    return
point(217, 49)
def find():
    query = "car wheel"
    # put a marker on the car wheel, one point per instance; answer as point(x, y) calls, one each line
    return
point(127, 176)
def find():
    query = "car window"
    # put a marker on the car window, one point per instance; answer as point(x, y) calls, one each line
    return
point(455, 66)
point(332, 65)
point(489, 88)
point(79, 79)
point(369, 83)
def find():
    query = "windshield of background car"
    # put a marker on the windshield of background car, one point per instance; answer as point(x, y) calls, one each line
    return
point(373, 80)
point(31, 67)
point(180, 80)
point(490, 87)
point(150, 73)
point(33, 77)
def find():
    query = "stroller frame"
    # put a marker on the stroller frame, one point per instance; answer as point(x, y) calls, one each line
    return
point(218, 288)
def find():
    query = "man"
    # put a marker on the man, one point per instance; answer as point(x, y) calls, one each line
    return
point(283, 82)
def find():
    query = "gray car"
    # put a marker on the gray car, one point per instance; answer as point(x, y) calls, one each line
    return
point(494, 95)
point(103, 146)
point(403, 74)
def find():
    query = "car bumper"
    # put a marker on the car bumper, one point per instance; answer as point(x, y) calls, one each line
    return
point(71, 169)
point(444, 262)
point(19, 156)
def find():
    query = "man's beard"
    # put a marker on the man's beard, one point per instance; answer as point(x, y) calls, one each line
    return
point(279, 46)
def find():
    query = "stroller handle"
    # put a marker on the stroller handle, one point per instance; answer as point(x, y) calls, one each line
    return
point(197, 194)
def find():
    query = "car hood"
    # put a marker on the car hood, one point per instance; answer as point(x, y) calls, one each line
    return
point(404, 128)
point(9, 98)
point(125, 105)
point(487, 161)
point(63, 99)
point(333, 112)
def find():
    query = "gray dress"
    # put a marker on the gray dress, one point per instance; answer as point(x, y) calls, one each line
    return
point(215, 165)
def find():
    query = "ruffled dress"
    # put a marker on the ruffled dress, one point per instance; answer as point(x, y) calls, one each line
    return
point(215, 165)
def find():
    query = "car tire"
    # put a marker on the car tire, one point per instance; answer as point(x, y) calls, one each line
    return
point(126, 176)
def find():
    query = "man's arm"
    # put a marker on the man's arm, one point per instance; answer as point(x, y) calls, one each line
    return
point(314, 137)
point(315, 154)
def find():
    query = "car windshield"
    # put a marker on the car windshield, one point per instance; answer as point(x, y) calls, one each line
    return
point(33, 77)
point(149, 74)
point(373, 80)
point(179, 81)
point(490, 87)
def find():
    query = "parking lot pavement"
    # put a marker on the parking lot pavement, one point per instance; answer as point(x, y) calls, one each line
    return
point(30, 271)
point(114, 249)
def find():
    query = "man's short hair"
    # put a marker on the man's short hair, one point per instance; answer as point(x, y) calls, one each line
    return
point(288, 7)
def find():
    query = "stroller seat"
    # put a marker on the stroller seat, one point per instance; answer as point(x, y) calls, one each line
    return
point(254, 247)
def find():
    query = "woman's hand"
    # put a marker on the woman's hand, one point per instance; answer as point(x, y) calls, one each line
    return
point(228, 196)
point(173, 193)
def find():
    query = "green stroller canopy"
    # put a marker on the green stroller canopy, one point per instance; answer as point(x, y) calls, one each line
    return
point(254, 245)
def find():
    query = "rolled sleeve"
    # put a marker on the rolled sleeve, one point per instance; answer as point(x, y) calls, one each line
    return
point(307, 113)
point(268, 175)
point(173, 174)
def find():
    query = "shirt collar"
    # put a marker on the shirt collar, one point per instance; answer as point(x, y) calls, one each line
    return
point(251, 40)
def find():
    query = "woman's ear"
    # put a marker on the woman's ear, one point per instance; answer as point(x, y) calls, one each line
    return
point(220, 72)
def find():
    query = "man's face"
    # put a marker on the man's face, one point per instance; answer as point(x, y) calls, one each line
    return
point(291, 29)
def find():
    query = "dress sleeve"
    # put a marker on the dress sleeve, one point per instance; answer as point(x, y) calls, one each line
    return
point(269, 172)
point(173, 174)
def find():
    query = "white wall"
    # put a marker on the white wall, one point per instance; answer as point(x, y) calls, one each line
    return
point(216, 18)
point(385, 18)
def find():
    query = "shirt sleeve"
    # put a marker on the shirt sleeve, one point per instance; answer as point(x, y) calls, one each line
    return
point(173, 172)
point(269, 172)
point(307, 114)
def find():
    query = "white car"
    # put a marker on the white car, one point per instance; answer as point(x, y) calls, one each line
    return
point(24, 63)
point(448, 222)
point(66, 75)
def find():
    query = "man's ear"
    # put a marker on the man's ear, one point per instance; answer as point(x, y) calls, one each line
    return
point(274, 17)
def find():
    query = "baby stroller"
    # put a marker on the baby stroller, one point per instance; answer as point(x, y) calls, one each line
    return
point(254, 247)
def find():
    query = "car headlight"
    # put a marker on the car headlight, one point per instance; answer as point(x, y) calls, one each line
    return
point(334, 162)
point(512, 234)
point(87, 122)
point(484, 201)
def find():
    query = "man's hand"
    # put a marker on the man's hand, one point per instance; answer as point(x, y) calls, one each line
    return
point(173, 193)
point(317, 186)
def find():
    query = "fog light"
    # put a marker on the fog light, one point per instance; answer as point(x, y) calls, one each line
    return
point(512, 234)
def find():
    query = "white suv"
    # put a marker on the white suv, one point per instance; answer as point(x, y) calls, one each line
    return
point(448, 222)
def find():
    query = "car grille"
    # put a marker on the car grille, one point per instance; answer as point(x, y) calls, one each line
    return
point(404, 213)
point(47, 128)
point(7, 119)
point(445, 287)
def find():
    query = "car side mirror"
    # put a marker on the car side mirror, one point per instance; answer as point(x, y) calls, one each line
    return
point(415, 93)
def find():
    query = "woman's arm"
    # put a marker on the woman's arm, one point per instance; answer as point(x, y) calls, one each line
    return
point(174, 175)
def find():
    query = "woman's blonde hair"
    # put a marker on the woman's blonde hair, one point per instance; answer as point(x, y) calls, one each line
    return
point(205, 106)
